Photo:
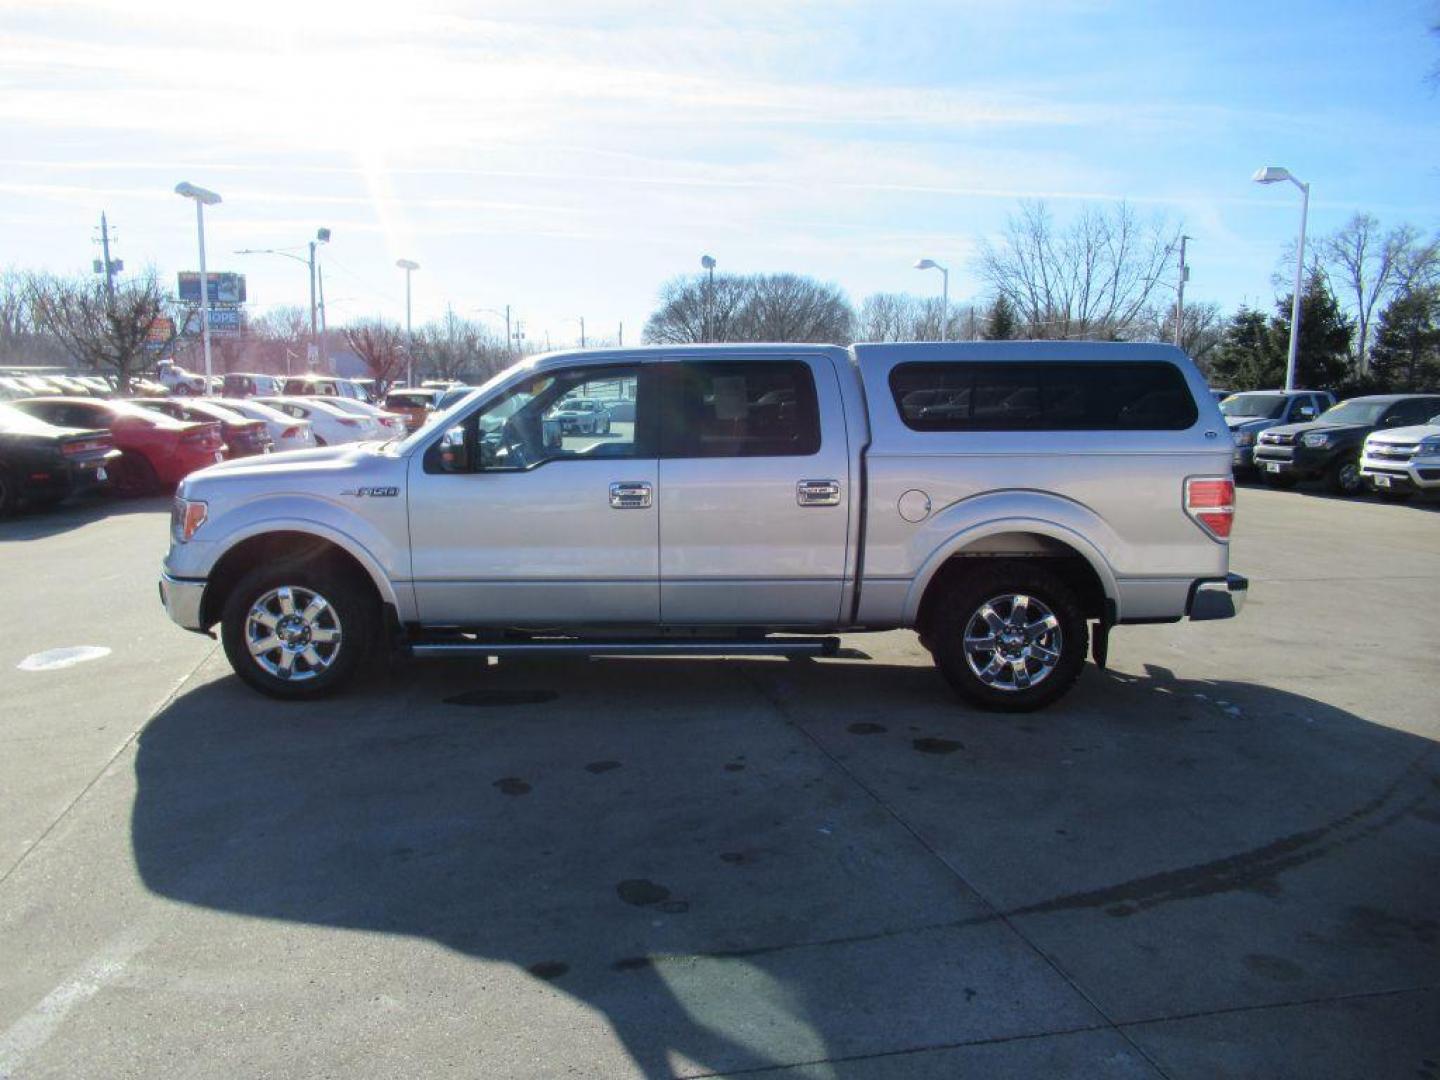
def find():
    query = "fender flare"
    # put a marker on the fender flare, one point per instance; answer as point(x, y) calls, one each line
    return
point(344, 541)
point(958, 541)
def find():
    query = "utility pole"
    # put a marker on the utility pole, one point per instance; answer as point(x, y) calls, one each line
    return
point(320, 274)
point(621, 340)
point(1180, 294)
point(582, 331)
point(109, 267)
point(707, 263)
point(509, 341)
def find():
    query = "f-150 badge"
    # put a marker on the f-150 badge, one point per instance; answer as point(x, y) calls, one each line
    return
point(374, 492)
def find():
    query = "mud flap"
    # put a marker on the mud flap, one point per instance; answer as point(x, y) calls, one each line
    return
point(1100, 644)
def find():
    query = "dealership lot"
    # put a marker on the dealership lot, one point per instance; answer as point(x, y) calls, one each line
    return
point(1218, 858)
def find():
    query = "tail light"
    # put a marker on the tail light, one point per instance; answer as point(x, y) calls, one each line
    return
point(348, 422)
point(1210, 501)
point(290, 433)
point(83, 446)
point(206, 435)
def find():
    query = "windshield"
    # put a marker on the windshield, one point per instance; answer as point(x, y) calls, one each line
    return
point(1254, 406)
point(1354, 412)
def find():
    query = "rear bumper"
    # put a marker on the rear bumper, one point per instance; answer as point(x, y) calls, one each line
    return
point(182, 598)
point(1217, 598)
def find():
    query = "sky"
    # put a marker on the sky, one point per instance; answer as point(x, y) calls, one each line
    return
point(567, 158)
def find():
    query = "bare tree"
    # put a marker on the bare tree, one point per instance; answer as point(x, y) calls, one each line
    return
point(788, 307)
point(681, 317)
point(381, 347)
point(99, 332)
point(904, 317)
point(1203, 331)
point(1364, 266)
point(456, 348)
point(1094, 279)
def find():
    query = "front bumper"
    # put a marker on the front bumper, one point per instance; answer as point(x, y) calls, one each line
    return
point(1416, 475)
point(182, 599)
point(1217, 598)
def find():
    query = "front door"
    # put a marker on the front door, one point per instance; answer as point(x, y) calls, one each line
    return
point(518, 517)
point(754, 496)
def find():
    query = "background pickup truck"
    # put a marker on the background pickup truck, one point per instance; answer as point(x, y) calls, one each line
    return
point(997, 497)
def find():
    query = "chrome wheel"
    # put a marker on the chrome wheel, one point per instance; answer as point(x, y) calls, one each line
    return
point(1013, 642)
point(293, 633)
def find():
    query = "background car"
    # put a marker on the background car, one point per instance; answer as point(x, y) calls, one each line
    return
point(242, 384)
point(331, 426)
point(388, 424)
point(450, 396)
point(582, 416)
point(42, 463)
point(1329, 446)
point(156, 451)
point(177, 380)
point(243, 436)
point(413, 404)
point(1249, 413)
point(286, 432)
point(1401, 461)
point(323, 385)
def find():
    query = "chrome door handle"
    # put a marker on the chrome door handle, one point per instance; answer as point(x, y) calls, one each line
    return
point(818, 493)
point(631, 495)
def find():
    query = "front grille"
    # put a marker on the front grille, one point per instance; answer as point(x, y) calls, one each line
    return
point(1277, 438)
point(1393, 451)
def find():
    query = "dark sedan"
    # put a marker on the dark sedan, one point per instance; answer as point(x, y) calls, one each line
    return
point(1328, 447)
point(41, 463)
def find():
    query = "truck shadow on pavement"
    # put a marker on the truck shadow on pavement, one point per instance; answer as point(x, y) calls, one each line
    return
point(743, 864)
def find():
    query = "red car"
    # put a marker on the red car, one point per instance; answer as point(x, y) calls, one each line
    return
point(243, 437)
point(156, 451)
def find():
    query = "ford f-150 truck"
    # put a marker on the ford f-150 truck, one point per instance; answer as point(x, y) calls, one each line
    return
point(997, 497)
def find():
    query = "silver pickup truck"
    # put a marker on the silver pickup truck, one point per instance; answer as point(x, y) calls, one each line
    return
point(998, 497)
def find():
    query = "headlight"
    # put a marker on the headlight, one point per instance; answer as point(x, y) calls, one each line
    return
point(1429, 448)
point(1317, 440)
point(1244, 438)
point(186, 516)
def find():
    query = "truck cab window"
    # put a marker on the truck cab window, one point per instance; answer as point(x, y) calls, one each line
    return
point(755, 408)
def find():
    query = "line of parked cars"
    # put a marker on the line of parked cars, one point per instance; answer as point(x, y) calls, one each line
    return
point(1387, 443)
point(63, 435)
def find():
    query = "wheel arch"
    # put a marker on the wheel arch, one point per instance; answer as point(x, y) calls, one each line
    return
point(286, 541)
point(1060, 549)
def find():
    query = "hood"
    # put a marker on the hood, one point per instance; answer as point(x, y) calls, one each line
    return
point(292, 464)
point(1317, 425)
point(1248, 423)
point(1408, 434)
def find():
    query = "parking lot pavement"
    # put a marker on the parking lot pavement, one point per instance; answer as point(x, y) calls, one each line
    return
point(1218, 858)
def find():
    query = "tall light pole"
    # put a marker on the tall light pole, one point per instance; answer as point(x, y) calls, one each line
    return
point(1274, 174)
point(707, 263)
point(931, 264)
point(1180, 293)
point(203, 198)
point(322, 236)
point(409, 266)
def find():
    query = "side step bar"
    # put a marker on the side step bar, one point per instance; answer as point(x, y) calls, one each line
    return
point(787, 646)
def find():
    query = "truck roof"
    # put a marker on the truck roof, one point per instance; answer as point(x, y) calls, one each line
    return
point(1001, 351)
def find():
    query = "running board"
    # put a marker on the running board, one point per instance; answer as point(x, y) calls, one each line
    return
point(790, 646)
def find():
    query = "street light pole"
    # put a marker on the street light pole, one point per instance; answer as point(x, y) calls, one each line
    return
point(409, 266)
point(931, 264)
point(202, 199)
point(1274, 174)
point(707, 322)
point(1180, 293)
point(322, 236)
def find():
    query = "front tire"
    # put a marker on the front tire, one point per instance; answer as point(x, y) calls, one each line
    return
point(1343, 477)
point(1010, 637)
point(298, 630)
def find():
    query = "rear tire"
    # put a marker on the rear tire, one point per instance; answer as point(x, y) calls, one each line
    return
point(1343, 477)
point(135, 476)
point(1009, 637)
point(306, 619)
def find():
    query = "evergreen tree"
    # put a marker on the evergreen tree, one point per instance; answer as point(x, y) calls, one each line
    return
point(1322, 359)
point(1001, 324)
point(1245, 358)
point(1406, 353)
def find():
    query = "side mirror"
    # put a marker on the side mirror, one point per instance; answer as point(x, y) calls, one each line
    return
point(452, 453)
point(1305, 412)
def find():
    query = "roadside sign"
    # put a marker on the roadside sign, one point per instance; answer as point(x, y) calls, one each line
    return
point(223, 288)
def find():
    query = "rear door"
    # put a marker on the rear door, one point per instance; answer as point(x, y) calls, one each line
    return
point(753, 494)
